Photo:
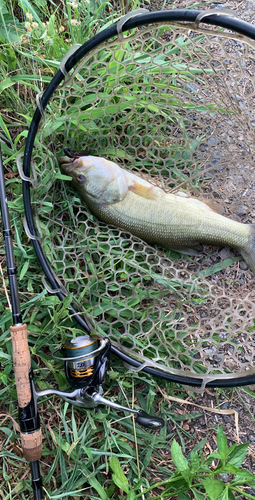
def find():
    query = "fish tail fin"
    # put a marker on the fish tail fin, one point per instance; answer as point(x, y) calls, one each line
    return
point(248, 252)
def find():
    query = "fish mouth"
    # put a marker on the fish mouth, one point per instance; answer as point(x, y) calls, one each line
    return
point(67, 164)
point(76, 154)
point(71, 159)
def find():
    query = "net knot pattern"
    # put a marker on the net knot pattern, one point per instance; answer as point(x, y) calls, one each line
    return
point(176, 106)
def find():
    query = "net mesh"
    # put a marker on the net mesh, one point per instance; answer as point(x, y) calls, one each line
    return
point(176, 106)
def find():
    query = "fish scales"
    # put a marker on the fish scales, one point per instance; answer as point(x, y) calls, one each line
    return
point(119, 197)
point(170, 224)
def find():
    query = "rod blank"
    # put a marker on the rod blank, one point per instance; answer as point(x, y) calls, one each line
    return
point(30, 431)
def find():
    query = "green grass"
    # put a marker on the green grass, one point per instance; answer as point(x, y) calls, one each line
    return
point(77, 444)
point(116, 280)
point(96, 454)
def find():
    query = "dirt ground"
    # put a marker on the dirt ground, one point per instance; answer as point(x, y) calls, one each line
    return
point(238, 400)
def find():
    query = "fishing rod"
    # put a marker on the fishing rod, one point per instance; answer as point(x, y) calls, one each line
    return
point(86, 361)
point(29, 422)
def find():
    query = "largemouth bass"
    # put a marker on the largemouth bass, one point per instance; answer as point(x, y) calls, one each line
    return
point(129, 202)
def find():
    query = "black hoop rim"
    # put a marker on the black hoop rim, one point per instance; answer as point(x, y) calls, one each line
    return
point(164, 16)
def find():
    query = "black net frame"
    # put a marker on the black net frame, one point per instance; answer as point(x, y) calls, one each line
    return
point(182, 16)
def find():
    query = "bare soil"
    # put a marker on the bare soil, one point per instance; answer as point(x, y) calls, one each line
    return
point(241, 400)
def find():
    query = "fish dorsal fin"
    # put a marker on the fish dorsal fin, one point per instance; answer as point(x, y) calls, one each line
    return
point(214, 205)
point(143, 188)
point(147, 192)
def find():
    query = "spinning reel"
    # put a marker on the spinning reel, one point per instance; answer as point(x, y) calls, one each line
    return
point(86, 360)
point(86, 363)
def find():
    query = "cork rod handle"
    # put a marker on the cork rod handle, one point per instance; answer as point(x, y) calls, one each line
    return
point(32, 441)
point(22, 363)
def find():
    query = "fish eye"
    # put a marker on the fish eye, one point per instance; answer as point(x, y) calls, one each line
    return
point(80, 178)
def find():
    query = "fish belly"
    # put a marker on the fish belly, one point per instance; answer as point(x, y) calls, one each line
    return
point(173, 222)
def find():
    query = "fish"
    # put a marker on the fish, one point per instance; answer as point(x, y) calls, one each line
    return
point(119, 197)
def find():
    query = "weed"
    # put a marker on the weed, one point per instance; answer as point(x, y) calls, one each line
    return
point(80, 448)
point(195, 475)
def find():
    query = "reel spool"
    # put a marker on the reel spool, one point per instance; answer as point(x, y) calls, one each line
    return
point(85, 363)
point(84, 367)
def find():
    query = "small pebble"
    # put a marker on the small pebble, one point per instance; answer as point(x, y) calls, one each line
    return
point(224, 406)
point(243, 265)
point(240, 212)
point(226, 419)
point(217, 359)
point(224, 477)
point(215, 160)
point(212, 141)
point(225, 253)
point(194, 86)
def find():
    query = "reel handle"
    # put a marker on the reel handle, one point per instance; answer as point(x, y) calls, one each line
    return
point(142, 417)
point(149, 421)
point(89, 398)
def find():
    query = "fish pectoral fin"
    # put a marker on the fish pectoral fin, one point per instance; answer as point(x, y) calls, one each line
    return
point(149, 192)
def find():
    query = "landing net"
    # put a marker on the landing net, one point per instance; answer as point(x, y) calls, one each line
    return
point(173, 103)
